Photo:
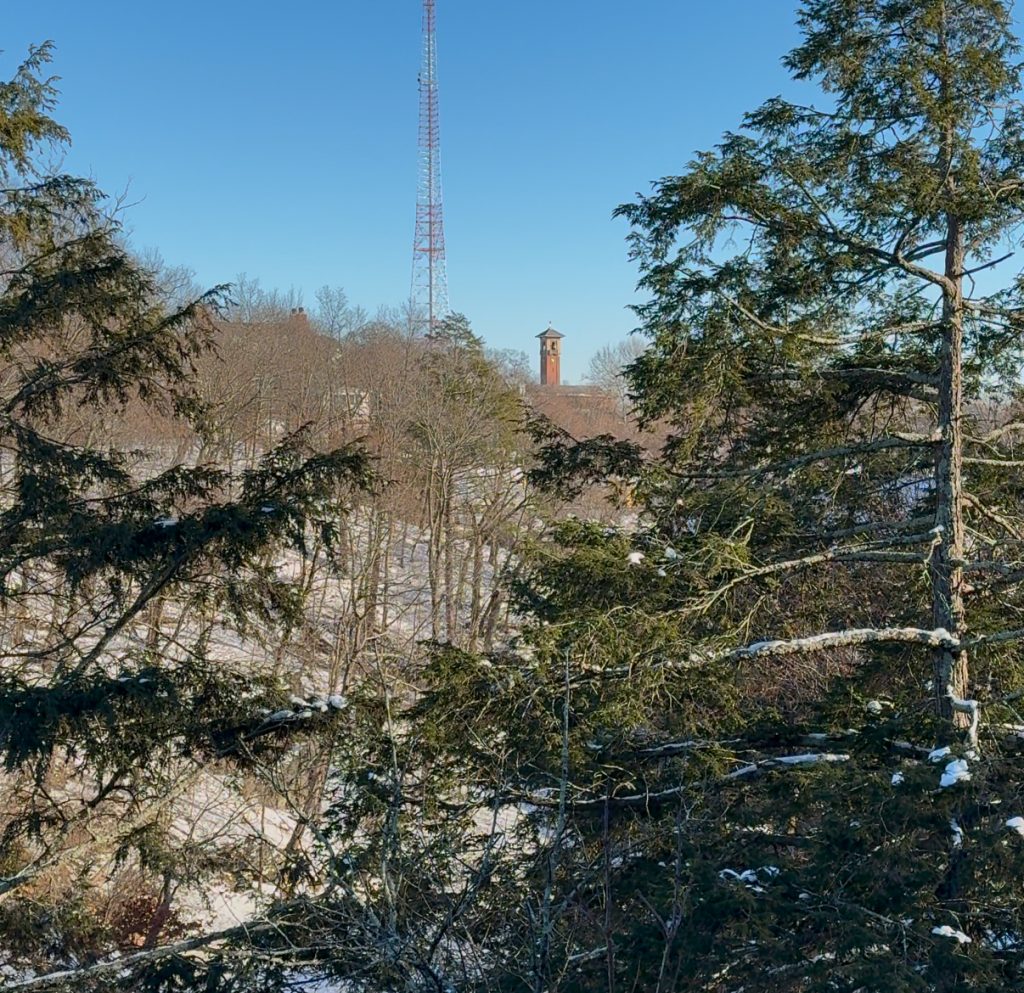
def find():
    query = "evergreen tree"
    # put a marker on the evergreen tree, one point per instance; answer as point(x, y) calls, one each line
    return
point(852, 324)
point(101, 724)
point(765, 738)
point(768, 736)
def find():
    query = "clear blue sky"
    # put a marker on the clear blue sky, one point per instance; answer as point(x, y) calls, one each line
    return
point(279, 140)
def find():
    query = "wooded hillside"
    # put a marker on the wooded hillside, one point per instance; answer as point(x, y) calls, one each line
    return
point(336, 657)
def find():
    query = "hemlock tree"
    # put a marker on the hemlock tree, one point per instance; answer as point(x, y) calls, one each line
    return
point(771, 735)
point(851, 333)
point(107, 716)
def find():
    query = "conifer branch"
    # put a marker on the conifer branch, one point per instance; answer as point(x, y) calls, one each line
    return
point(899, 440)
point(874, 552)
point(993, 515)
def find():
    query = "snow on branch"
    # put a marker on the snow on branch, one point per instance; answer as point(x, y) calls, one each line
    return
point(930, 637)
point(926, 637)
point(789, 762)
point(967, 707)
point(655, 798)
point(817, 740)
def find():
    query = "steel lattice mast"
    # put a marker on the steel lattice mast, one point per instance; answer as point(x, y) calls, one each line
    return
point(429, 273)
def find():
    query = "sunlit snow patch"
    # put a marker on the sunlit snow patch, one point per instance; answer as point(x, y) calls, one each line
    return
point(812, 757)
point(958, 834)
point(949, 932)
point(955, 772)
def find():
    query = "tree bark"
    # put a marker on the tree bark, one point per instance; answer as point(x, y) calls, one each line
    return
point(451, 592)
point(950, 673)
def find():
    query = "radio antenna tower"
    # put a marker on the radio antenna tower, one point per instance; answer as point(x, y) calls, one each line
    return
point(429, 274)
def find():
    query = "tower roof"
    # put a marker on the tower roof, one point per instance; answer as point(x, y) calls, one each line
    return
point(551, 333)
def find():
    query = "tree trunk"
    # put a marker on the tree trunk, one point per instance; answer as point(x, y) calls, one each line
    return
point(950, 674)
point(435, 498)
point(451, 593)
point(161, 914)
point(476, 607)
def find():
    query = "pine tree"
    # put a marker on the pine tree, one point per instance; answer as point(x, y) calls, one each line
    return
point(102, 725)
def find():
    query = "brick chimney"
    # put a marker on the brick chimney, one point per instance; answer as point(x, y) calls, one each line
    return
point(550, 357)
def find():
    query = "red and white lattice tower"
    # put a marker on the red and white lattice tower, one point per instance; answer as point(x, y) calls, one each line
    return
point(429, 274)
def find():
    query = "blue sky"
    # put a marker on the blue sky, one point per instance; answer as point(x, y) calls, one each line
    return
point(279, 140)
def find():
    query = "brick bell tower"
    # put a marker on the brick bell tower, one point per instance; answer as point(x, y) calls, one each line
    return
point(550, 357)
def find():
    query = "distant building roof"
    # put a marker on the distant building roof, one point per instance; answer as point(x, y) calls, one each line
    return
point(551, 333)
point(590, 392)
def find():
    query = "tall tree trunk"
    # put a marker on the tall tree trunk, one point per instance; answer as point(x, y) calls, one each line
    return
point(476, 607)
point(451, 593)
point(435, 485)
point(371, 586)
point(950, 674)
point(387, 550)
